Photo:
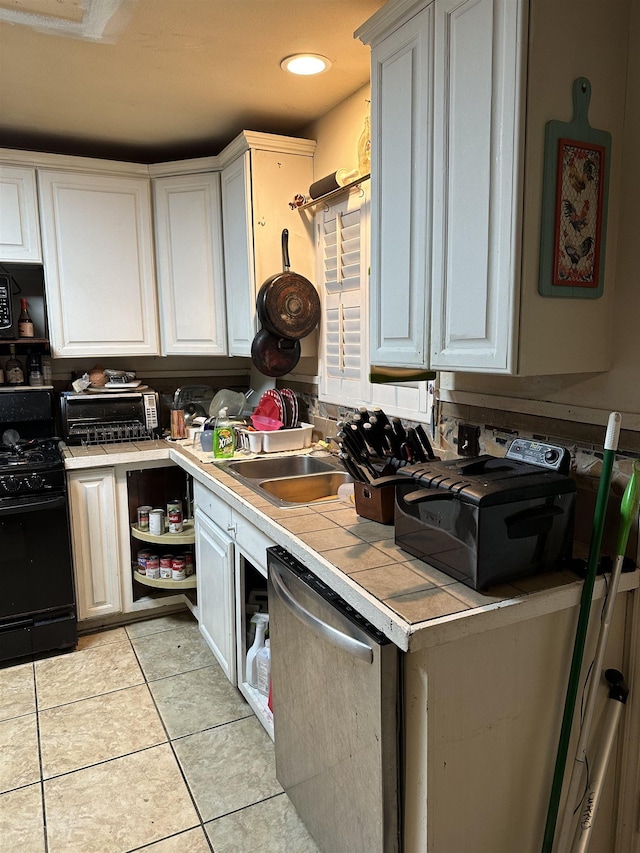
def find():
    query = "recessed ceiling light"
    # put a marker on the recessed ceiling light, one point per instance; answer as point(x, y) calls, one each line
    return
point(305, 63)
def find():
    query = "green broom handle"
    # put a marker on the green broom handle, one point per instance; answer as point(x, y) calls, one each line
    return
point(610, 447)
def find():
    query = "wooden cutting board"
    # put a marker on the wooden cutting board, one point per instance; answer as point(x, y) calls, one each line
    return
point(574, 203)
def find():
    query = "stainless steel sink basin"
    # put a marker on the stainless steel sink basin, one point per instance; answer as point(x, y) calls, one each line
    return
point(283, 466)
point(290, 480)
point(306, 490)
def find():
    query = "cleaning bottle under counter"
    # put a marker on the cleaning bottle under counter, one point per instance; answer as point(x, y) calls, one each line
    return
point(263, 668)
point(224, 437)
point(261, 620)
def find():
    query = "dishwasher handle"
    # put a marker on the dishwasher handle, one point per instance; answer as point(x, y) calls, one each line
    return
point(338, 638)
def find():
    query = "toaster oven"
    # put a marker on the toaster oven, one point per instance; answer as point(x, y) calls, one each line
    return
point(102, 417)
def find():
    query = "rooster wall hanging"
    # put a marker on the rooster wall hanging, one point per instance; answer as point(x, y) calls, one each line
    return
point(574, 203)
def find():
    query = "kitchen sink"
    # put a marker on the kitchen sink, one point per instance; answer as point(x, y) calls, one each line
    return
point(283, 466)
point(290, 480)
point(307, 490)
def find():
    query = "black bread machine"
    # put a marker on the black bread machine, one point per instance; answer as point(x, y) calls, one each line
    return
point(489, 520)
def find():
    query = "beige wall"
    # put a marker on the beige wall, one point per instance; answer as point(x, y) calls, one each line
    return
point(619, 388)
point(337, 134)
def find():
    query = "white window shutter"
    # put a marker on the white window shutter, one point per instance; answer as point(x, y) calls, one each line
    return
point(341, 250)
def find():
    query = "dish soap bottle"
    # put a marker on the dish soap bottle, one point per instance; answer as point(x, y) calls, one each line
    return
point(261, 621)
point(224, 437)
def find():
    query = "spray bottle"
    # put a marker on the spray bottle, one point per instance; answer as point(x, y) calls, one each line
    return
point(261, 621)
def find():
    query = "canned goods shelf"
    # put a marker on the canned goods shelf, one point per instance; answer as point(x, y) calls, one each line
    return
point(166, 583)
point(187, 537)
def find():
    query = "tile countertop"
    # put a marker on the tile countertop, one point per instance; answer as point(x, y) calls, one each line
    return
point(412, 603)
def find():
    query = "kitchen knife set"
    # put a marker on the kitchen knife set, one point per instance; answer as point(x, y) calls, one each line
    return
point(373, 445)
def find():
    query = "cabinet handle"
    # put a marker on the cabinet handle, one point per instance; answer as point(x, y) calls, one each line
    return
point(346, 641)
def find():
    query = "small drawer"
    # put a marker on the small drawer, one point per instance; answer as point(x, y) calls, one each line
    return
point(252, 541)
point(210, 504)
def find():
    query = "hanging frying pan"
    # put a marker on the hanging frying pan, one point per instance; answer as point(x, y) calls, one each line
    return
point(273, 355)
point(288, 304)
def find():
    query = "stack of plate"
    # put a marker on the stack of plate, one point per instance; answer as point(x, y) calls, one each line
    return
point(276, 410)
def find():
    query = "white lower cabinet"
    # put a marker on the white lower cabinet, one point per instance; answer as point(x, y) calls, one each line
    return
point(214, 558)
point(95, 541)
point(231, 556)
point(103, 505)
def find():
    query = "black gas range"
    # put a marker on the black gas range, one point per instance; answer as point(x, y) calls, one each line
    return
point(30, 467)
point(37, 604)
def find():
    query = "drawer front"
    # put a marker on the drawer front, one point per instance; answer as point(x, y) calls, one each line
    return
point(252, 542)
point(212, 505)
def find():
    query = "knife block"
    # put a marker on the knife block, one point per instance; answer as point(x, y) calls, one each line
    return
point(375, 504)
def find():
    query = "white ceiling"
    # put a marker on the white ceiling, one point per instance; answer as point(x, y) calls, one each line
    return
point(151, 80)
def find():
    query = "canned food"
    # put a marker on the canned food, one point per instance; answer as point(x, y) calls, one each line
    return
point(166, 561)
point(153, 566)
point(143, 553)
point(156, 522)
point(174, 514)
point(188, 564)
point(143, 517)
point(178, 569)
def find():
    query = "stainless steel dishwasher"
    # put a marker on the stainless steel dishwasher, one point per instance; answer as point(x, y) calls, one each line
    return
point(336, 697)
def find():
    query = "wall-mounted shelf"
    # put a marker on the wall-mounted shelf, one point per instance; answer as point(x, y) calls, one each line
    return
point(324, 199)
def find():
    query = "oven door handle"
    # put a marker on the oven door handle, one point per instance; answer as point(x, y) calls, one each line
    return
point(20, 505)
point(343, 641)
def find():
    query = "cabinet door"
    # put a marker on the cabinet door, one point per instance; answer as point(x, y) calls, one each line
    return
point(190, 267)
point(94, 538)
point(401, 84)
point(256, 189)
point(216, 607)
point(238, 255)
point(98, 256)
point(19, 228)
point(476, 220)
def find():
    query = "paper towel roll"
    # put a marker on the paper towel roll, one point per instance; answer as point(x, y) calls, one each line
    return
point(332, 182)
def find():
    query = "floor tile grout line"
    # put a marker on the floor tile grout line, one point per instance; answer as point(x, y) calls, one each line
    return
point(182, 737)
point(189, 791)
point(174, 835)
point(41, 782)
point(214, 727)
point(249, 806)
point(92, 696)
point(173, 674)
point(173, 752)
point(104, 761)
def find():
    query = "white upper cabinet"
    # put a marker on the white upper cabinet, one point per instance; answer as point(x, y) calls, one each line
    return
point(238, 255)
point(462, 91)
point(19, 226)
point(477, 56)
point(98, 256)
point(189, 261)
point(401, 98)
point(261, 175)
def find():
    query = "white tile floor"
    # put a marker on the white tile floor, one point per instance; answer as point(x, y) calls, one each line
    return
point(136, 741)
